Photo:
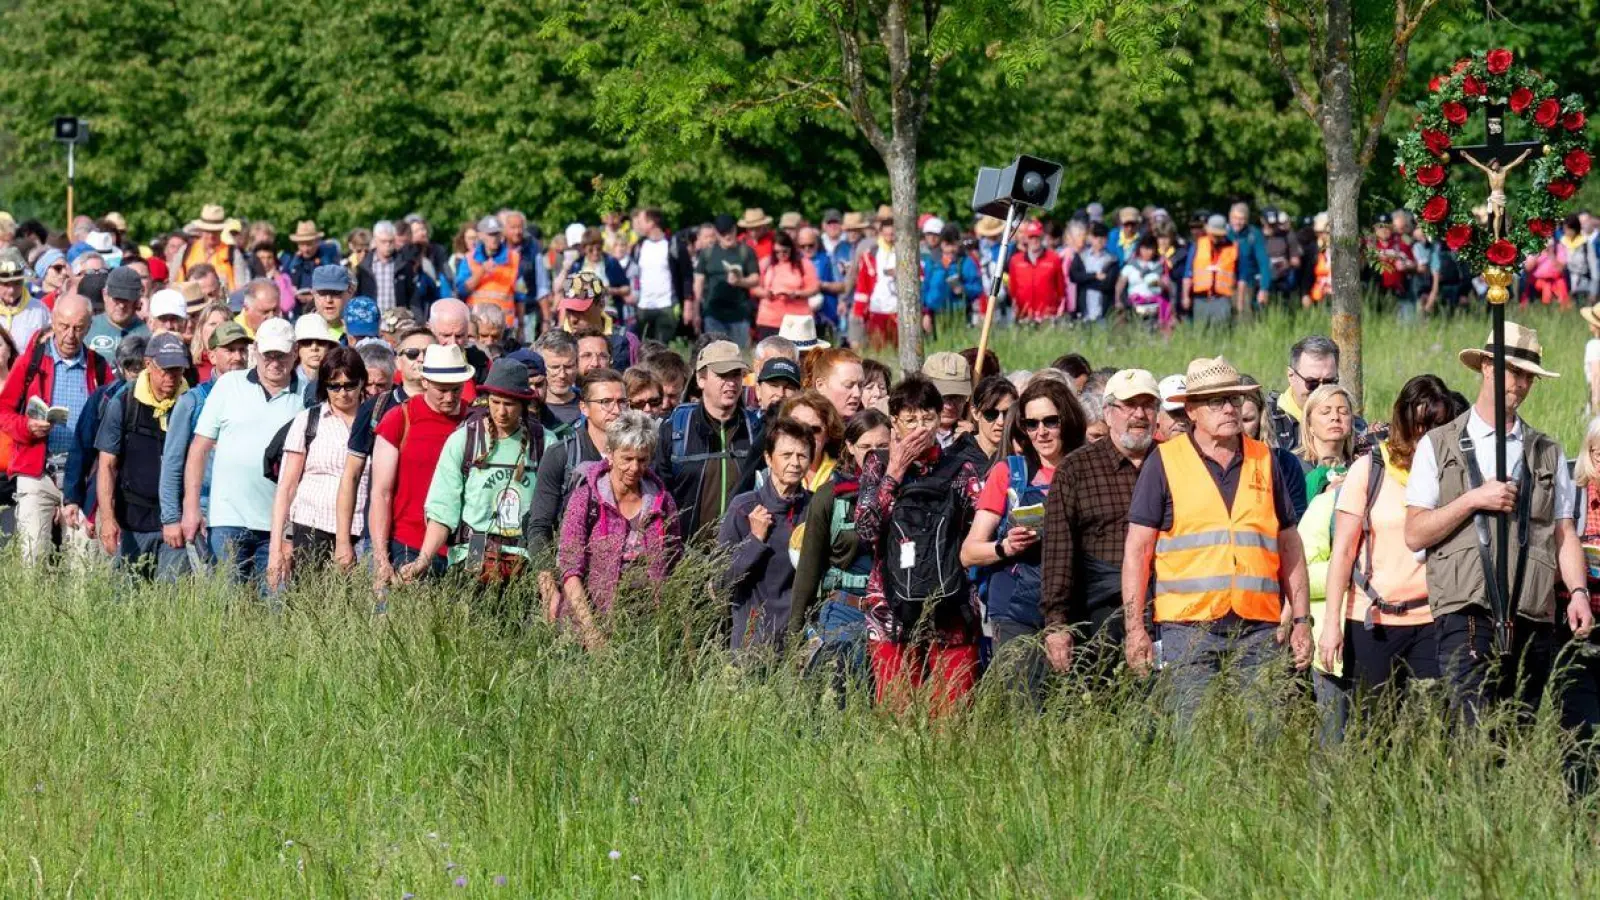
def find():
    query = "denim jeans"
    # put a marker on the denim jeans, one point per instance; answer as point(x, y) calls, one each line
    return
point(400, 554)
point(1019, 657)
point(841, 632)
point(738, 332)
point(243, 550)
point(144, 553)
point(1196, 654)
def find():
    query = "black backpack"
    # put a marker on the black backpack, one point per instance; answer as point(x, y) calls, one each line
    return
point(272, 459)
point(922, 545)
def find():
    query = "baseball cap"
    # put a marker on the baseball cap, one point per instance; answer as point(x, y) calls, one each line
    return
point(529, 358)
point(950, 373)
point(932, 225)
point(490, 225)
point(227, 333)
point(574, 234)
point(724, 223)
point(1171, 386)
point(333, 279)
point(1096, 211)
point(277, 335)
point(167, 351)
point(313, 327)
point(831, 215)
point(168, 302)
point(779, 369)
point(361, 317)
point(1216, 224)
point(1130, 383)
point(124, 284)
point(583, 288)
point(10, 271)
point(1033, 228)
point(721, 357)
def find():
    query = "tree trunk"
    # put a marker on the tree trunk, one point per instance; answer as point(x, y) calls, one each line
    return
point(1345, 175)
point(902, 164)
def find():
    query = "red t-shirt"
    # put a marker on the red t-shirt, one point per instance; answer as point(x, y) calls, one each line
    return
point(993, 496)
point(420, 444)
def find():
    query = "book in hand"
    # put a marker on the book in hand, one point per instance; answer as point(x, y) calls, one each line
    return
point(40, 411)
point(1029, 517)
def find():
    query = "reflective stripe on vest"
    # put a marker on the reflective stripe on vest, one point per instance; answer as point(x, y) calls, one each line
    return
point(1214, 560)
point(499, 284)
point(1214, 277)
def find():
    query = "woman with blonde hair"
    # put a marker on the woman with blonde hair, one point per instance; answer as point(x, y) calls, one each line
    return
point(1327, 437)
point(200, 344)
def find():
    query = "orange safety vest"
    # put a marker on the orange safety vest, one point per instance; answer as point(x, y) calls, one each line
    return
point(498, 285)
point(1324, 278)
point(1215, 560)
point(1214, 277)
point(221, 260)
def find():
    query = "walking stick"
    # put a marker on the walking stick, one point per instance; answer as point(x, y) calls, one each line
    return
point(994, 291)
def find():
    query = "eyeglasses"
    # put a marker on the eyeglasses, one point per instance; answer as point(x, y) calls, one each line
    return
point(1148, 407)
point(993, 415)
point(609, 402)
point(806, 246)
point(909, 421)
point(1236, 401)
point(343, 386)
point(1051, 422)
point(649, 402)
point(413, 353)
point(1314, 383)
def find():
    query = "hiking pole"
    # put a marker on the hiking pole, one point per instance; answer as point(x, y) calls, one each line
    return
point(998, 278)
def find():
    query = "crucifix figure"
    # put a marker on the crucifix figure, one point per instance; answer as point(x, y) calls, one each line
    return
point(1496, 158)
point(1497, 185)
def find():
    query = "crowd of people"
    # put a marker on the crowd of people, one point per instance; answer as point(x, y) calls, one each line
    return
point(183, 406)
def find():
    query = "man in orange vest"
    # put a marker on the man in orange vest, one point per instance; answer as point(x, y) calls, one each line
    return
point(492, 272)
point(209, 248)
point(1211, 518)
point(1212, 274)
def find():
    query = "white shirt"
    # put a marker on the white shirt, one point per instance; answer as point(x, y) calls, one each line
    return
point(655, 274)
point(1423, 489)
point(1591, 352)
point(884, 300)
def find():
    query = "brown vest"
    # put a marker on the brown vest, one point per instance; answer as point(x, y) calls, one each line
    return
point(1456, 579)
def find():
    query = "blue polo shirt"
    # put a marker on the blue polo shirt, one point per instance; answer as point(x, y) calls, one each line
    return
point(243, 418)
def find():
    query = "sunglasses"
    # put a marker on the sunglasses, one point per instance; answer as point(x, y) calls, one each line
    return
point(807, 246)
point(1236, 401)
point(993, 415)
point(1051, 422)
point(647, 402)
point(412, 354)
point(1314, 383)
point(343, 386)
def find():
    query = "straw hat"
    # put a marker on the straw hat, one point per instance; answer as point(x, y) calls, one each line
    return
point(754, 217)
point(854, 221)
point(801, 330)
point(885, 213)
point(1591, 314)
point(988, 227)
point(212, 218)
point(791, 219)
point(1211, 378)
point(305, 231)
point(1523, 352)
point(446, 365)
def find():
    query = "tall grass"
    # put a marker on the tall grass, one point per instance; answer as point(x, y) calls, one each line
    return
point(185, 742)
point(1394, 352)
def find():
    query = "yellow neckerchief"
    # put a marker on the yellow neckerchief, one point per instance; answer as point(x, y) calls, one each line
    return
point(143, 393)
point(1390, 470)
point(823, 473)
point(1287, 404)
point(1574, 241)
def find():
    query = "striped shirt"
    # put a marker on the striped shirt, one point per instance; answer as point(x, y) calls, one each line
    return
point(316, 499)
point(383, 274)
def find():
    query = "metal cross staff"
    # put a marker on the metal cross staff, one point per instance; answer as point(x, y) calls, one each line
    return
point(1494, 150)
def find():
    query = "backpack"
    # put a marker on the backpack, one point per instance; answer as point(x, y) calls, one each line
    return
point(476, 426)
point(272, 459)
point(1014, 587)
point(681, 417)
point(922, 545)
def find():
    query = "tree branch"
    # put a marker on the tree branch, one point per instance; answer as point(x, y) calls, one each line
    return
point(855, 81)
point(1405, 28)
point(796, 87)
point(1281, 62)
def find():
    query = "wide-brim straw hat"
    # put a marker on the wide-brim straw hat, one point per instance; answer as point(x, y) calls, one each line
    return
point(305, 232)
point(212, 218)
point(1211, 378)
point(988, 227)
point(854, 221)
point(1523, 352)
point(754, 217)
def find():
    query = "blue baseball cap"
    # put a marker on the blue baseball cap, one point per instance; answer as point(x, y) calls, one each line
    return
point(334, 279)
point(361, 317)
point(531, 359)
point(168, 351)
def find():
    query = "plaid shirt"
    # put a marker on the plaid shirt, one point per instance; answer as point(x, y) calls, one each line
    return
point(71, 390)
point(1086, 513)
point(875, 503)
point(383, 275)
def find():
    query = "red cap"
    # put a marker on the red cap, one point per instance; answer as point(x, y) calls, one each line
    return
point(158, 268)
point(1033, 228)
point(923, 220)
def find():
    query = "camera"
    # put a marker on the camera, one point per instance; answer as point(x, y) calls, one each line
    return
point(1028, 181)
point(72, 130)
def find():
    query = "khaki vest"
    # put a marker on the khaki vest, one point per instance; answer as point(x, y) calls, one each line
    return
point(1455, 571)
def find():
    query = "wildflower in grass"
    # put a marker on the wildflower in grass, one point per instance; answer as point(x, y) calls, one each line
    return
point(461, 881)
point(501, 881)
point(615, 855)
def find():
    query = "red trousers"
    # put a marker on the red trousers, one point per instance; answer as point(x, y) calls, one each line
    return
point(900, 671)
point(883, 330)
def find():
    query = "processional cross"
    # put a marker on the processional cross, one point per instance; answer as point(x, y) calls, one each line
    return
point(1496, 158)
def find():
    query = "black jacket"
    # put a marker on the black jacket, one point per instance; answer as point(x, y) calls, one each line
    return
point(410, 291)
point(706, 447)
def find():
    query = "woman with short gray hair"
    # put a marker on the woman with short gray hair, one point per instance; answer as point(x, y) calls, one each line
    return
point(620, 521)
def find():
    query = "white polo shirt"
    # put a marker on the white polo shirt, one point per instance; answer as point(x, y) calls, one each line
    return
point(243, 419)
point(1423, 489)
